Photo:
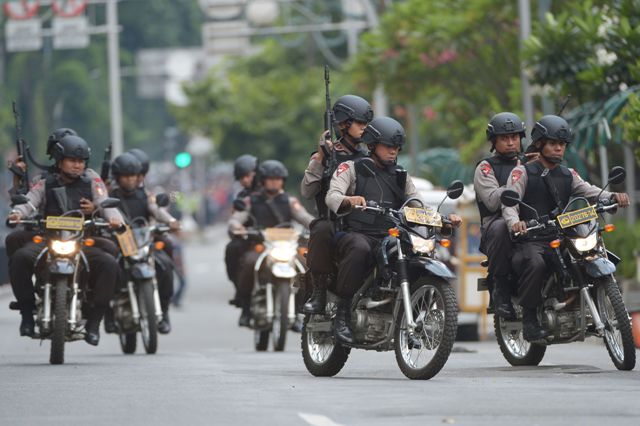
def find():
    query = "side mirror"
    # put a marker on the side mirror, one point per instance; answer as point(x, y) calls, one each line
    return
point(110, 203)
point(239, 205)
point(455, 190)
point(19, 199)
point(162, 200)
point(510, 198)
point(617, 175)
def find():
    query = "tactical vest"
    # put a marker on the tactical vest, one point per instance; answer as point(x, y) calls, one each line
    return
point(341, 157)
point(387, 188)
point(61, 198)
point(134, 204)
point(537, 193)
point(502, 168)
point(269, 213)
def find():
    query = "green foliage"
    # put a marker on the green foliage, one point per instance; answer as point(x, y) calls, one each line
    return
point(623, 242)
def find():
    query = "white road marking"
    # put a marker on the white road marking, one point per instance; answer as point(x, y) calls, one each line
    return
point(318, 420)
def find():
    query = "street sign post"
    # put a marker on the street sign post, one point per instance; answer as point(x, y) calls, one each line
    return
point(70, 33)
point(23, 35)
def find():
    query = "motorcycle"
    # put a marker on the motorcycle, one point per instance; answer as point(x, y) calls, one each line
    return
point(406, 303)
point(136, 305)
point(61, 267)
point(581, 297)
point(273, 304)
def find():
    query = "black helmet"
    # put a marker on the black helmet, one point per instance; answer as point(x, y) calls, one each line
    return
point(142, 157)
point(351, 107)
point(244, 165)
point(505, 123)
point(126, 164)
point(272, 169)
point(552, 127)
point(384, 130)
point(71, 146)
point(55, 137)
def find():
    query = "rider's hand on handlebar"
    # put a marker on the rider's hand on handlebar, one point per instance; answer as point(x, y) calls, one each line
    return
point(622, 199)
point(174, 225)
point(115, 223)
point(520, 227)
point(455, 220)
point(14, 217)
point(356, 200)
point(86, 206)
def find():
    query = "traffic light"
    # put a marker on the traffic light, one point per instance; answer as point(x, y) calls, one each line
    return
point(183, 159)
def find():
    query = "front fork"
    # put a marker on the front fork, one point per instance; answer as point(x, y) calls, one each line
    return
point(403, 276)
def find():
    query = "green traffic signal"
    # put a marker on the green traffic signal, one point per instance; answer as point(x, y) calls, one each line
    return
point(183, 160)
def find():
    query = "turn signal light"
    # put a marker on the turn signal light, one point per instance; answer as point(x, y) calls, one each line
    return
point(89, 242)
point(446, 243)
point(609, 227)
point(394, 232)
point(37, 239)
point(159, 245)
point(302, 251)
point(259, 248)
point(554, 244)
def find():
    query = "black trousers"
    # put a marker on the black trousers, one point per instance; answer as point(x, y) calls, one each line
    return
point(234, 251)
point(529, 263)
point(246, 275)
point(497, 245)
point(355, 252)
point(17, 239)
point(321, 247)
point(103, 272)
point(164, 277)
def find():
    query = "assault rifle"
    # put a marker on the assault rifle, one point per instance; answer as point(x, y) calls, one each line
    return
point(330, 161)
point(106, 164)
point(23, 175)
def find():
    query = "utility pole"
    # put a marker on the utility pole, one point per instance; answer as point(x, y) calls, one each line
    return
point(115, 94)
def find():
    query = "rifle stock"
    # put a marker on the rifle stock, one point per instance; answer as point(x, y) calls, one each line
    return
point(23, 175)
point(106, 163)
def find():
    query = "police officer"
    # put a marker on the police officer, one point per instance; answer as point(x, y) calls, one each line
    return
point(546, 185)
point(244, 171)
point(81, 192)
point(505, 131)
point(377, 178)
point(270, 206)
point(137, 202)
point(144, 162)
point(352, 115)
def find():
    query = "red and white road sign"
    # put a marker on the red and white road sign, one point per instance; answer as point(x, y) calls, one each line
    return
point(21, 9)
point(69, 8)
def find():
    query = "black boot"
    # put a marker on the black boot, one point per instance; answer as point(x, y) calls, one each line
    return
point(531, 328)
point(318, 299)
point(92, 327)
point(109, 322)
point(164, 326)
point(27, 325)
point(502, 299)
point(245, 316)
point(341, 326)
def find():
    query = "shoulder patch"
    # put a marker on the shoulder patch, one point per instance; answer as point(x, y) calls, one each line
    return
point(486, 169)
point(575, 174)
point(515, 176)
point(342, 168)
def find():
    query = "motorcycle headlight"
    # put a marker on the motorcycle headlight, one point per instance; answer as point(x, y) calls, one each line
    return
point(63, 247)
point(282, 252)
point(422, 245)
point(585, 244)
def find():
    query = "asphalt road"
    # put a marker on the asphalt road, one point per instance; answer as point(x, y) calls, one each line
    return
point(206, 372)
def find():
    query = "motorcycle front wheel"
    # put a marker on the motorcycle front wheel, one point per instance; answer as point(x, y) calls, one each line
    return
point(617, 332)
point(58, 335)
point(148, 321)
point(515, 349)
point(280, 314)
point(128, 342)
point(322, 355)
point(435, 311)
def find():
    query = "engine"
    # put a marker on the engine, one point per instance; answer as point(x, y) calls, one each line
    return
point(371, 326)
point(563, 324)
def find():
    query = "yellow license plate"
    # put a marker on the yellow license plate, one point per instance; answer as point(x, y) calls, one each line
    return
point(422, 216)
point(65, 223)
point(127, 243)
point(577, 217)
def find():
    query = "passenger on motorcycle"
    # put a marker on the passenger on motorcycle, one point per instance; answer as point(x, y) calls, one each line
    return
point(244, 171)
point(351, 114)
point(136, 202)
point(82, 192)
point(268, 207)
point(505, 131)
point(375, 178)
point(546, 185)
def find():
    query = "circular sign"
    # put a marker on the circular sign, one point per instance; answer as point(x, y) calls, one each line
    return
point(68, 8)
point(23, 9)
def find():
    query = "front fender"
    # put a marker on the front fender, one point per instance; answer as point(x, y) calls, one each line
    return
point(599, 267)
point(142, 271)
point(62, 267)
point(432, 266)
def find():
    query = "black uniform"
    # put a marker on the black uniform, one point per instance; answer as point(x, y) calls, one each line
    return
point(235, 249)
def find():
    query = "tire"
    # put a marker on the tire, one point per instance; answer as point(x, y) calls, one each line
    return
point(59, 332)
point(148, 320)
point(322, 355)
point(281, 315)
point(516, 350)
point(261, 340)
point(128, 342)
point(618, 337)
point(436, 309)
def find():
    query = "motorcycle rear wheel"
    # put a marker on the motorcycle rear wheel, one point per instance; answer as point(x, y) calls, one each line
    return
point(322, 355)
point(281, 314)
point(515, 349)
point(618, 337)
point(58, 336)
point(436, 310)
point(148, 320)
